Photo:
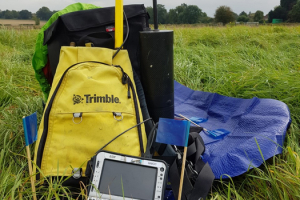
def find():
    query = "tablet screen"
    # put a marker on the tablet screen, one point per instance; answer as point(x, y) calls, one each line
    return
point(138, 181)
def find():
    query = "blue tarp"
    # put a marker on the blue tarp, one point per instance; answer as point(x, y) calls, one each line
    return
point(255, 125)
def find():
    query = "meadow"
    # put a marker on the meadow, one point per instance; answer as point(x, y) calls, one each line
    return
point(237, 61)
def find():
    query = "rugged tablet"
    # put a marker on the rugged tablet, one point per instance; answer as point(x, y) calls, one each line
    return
point(117, 176)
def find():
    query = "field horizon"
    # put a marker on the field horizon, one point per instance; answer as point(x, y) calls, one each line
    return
point(17, 22)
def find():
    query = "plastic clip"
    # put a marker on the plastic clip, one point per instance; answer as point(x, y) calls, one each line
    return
point(77, 173)
point(118, 114)
point(77, 115)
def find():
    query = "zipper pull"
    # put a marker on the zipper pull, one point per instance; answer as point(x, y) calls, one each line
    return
point(124, 78)
point(128, 83)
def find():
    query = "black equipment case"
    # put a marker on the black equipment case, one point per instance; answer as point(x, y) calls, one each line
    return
point(97, 27)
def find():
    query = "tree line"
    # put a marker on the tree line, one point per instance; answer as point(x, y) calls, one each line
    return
point(192, 14)
point(183, 14)
point(287, 11)
point(44, 13)
point(12, 14)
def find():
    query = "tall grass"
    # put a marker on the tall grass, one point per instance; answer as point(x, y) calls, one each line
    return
point(234, 61)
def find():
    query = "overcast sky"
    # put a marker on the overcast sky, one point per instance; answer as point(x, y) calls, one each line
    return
point(208, 6)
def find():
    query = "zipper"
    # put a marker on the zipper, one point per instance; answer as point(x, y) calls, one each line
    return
point(125, 79)
point(137, 117)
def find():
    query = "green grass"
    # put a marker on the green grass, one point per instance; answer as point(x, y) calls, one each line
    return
point(239, 62)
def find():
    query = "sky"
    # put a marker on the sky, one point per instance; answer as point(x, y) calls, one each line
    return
point(208, 6)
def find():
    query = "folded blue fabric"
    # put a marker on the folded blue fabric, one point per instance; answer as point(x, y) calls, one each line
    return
point(255, 125)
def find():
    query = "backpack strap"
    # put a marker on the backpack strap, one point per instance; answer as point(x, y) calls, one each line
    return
point(198, 176)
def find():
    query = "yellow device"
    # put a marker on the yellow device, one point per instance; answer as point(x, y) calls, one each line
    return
point(118, 23)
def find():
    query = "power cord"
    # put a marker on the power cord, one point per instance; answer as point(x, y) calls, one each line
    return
point(122, 134)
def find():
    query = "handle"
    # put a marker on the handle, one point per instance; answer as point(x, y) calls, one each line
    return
point(118, 23)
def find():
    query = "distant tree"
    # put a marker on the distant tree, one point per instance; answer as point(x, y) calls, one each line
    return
point(243, 18)
point(270, 16)
point(236, 16)
point(25, 14)
point(187, 14)
point(259, 16)
point(172, 16)
point(180, 13)
point(294, 14)
point(161, 14)
point(191, 14)
point(288, 4)
point(224, 14)
point(15, 14)
point(243, 13)
point(44, 13)
point(181, 8)
point(7, 14)
point(251, 17)
point(280, 13)
point(150, 11)
point(205, 19)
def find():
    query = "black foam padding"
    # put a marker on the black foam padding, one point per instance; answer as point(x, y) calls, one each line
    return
point(157, 72)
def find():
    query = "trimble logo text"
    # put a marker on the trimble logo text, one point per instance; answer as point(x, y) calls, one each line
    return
point(88, 98)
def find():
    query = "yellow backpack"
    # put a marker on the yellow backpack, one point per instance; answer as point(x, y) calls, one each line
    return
point(93, 99)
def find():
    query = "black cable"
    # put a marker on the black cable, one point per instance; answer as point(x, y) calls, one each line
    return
point(151, 137)
point(122, 134)
point(125, 37)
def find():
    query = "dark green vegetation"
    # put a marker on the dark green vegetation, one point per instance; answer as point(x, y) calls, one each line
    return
point(289, 10)
point(43, 13)
point(224, 14)
point(183, 14)
point(12, 14)
point(235, 61)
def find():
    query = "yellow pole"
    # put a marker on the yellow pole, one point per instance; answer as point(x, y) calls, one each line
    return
point(118, 23)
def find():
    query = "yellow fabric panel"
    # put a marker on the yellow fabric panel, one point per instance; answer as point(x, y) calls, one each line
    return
point(96, 91)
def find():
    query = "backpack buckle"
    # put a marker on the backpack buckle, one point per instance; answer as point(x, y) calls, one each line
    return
point(77, 173)
point(77, 115)
point(118, 116)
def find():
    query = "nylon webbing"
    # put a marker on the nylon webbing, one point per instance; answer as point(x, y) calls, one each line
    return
point(205, 177)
